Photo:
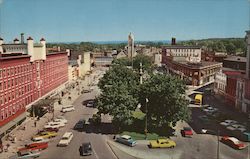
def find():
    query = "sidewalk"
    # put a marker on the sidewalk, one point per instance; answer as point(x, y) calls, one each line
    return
point(23, 136)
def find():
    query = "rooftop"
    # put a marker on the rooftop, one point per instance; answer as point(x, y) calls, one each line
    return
point(199, 65)
point(181, 47)
point(236, 59)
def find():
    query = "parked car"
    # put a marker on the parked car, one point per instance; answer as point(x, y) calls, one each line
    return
point(34, 146)
point(60, 120)
point(85, 149)
point(66, 139)
point(162, 143)
point(210, 110)
point(50, 129)
point(126, 140)
point(67, 108)
point(44, 135)
point(91, 103)
point(187, 131)
point(54, 125)
point(41, 140)
point(80, 124)
point(233, 142)
point(228, 122)
point(25, 155)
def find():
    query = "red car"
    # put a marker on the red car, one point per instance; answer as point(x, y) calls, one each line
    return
point(187, 131)
point(233, 142)
point(34, 146)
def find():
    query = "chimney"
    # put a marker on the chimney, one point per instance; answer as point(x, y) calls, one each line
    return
point(173, 41)
point(22, 38)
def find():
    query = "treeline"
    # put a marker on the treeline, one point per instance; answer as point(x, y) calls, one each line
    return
point(228, 45)
point(88, 46)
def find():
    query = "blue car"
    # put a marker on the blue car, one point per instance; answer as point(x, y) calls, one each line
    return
point(126, 140)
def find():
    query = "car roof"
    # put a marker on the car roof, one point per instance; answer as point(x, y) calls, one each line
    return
point(67, 134)
point(163, 140)
point(126, 136)
point(235, 140)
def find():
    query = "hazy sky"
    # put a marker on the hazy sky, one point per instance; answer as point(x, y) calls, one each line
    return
point(109, 20)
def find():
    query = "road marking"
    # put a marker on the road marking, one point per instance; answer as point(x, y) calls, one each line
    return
point(95, 153)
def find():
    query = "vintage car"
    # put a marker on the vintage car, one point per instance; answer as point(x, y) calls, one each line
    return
point(162, 143)
point(233, 142)
point(186, 131)
point(85, 149)
point(80, 124)
point(66, 139)
point(44, 135)
point(25, 155)
point(126, 140)
point(34, 146)
point(54, 125)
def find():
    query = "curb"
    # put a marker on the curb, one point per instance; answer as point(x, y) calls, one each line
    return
point(110, 143)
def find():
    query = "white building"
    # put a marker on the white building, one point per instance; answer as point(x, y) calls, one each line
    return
point(220, 83)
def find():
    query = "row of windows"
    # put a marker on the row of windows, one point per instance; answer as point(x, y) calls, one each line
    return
point(5, 85)
point(11, 110)
point(182, 50)
point(11, 71)
point(15, 95)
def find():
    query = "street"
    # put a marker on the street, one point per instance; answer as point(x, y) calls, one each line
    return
point(100, 148)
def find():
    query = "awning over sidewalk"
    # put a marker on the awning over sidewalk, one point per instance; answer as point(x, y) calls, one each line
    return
point(13, 122)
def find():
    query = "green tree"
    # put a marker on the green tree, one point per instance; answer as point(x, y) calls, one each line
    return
point(118, 87)
point(166, 100)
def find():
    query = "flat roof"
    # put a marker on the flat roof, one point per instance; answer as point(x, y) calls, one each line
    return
point(199, 65)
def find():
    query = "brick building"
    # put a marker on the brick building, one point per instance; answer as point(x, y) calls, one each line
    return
point(185, 61)
point(27, 73)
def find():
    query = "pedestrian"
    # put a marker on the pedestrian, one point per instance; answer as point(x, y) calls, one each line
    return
point(35, 123)
point(1, 145)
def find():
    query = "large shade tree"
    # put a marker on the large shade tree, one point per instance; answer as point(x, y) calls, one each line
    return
point(166, 103)
point(118, 87)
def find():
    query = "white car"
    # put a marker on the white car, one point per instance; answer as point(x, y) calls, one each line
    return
point(67, 108)
point(25, 154)
point(240, 127)
point(60, 120)
point(210, 109)
point(228, 123)
point(66, 139)
point(54, 125)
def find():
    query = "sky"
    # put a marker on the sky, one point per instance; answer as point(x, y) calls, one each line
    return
point(113, 20)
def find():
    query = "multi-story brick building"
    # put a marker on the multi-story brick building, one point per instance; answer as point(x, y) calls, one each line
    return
point(185, 61)
point(27, 73)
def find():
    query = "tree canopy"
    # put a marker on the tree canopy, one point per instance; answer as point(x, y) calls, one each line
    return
point(121, 93)
point(118, 98)
point(166, 100)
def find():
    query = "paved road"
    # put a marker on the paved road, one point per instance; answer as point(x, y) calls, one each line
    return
point(98, 140)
